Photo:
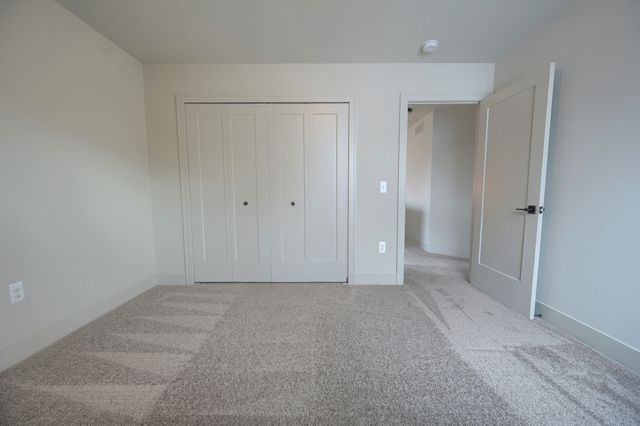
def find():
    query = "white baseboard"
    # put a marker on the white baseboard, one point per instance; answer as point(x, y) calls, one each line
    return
point(374, 279)
point(28, 346)
point(360, 279)
point(596, 339)
point(445, 251)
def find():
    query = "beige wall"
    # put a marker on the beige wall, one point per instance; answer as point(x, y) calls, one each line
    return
point(454, 133)
point(75, 212)
point(418, 186)
point(589, 256)
point(376, 88)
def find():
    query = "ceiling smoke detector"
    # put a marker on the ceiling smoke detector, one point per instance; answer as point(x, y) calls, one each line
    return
point(429, 46)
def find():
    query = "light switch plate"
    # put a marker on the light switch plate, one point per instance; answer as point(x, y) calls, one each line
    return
point(382, 247)
point(16, 292)
point(383, 186)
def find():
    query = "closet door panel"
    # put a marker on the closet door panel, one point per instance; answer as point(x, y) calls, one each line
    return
point(308, 150)
point(328, 191)
point(292, 182)
point(323, 203)
point(207, 186)
point(287, 159)
point(228, 167)
point(245, 191)
point(247, 136)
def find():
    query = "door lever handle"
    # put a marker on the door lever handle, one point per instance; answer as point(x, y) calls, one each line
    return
point(528, 209)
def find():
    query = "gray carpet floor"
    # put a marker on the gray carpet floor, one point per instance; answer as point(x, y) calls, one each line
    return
point(433, 351)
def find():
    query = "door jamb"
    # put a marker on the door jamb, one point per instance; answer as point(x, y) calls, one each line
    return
point(405, 100)
point(183, 99)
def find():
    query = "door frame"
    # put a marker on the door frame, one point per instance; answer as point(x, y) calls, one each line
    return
point(417, 99)
point(183, 99)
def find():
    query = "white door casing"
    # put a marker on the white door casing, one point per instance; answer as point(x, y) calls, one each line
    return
point(510, 171)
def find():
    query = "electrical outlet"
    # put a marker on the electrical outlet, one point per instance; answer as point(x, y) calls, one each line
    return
point(16, 292)
point(383, 186)
point(382, 247)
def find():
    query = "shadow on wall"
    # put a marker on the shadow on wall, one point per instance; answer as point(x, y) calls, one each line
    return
point(415, 224)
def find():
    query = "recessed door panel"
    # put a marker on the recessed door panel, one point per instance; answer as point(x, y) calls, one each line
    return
point(245, 180)
point(323, 203)
point(247, 138)
point(207, 176)
point(212, 190)
point(292, 186)
point(328, 192)
point(506, 180)
point(287, 168)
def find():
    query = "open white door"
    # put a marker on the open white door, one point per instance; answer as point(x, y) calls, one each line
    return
point(510, 169)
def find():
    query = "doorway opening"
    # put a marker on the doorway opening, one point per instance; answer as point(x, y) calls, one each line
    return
point(439, 185)
point(510, 160)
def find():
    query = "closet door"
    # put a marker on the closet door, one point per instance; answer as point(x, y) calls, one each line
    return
point(287, 159)
point(227, 156)
point(249, 203)
point(308, 159)
point(327, 189)
point(210, 224)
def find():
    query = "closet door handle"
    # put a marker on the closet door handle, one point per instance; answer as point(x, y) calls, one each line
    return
point(528, 209)
point(246, 203)
point(293, 203)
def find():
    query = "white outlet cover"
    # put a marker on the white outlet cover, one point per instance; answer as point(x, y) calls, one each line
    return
point(382, 247)
point(16, 292)
point(383, 186)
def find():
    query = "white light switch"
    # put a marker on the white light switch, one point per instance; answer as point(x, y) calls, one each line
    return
point(383, 186)
point(382, 247)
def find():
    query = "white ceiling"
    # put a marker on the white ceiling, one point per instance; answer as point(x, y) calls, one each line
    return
point(271, 31)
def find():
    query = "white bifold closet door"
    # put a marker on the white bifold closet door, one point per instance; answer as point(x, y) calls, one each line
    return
point(229, 194)
point(268, 189)
point(308, 165)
